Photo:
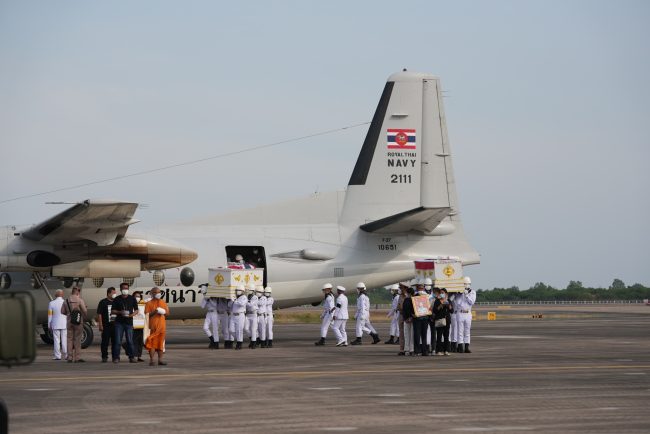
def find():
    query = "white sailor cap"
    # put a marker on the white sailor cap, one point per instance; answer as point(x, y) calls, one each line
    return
point(327, 286)
point(340, 288)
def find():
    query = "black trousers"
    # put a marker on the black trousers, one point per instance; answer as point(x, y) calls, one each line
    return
point(442, 335)
point(138, 335)
point(420, 326)
point(107, 340)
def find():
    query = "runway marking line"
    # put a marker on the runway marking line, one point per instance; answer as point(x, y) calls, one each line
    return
point(323, 373)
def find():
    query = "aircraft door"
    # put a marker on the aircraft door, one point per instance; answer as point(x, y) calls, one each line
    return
point(253, 257)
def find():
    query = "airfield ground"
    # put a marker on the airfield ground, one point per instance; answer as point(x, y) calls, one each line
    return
point(578, 369)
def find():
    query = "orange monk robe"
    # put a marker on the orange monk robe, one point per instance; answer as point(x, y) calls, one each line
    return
point(157, 325)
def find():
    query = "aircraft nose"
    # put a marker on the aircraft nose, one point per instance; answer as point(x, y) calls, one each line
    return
point(188, 256)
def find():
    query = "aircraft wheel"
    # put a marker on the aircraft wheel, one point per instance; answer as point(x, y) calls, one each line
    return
point(46, 336)
point(87, 336)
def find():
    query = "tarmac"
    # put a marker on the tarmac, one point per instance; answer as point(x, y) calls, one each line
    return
point(524, 375)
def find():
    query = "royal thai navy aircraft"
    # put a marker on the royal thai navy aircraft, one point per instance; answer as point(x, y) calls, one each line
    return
point(400, 205)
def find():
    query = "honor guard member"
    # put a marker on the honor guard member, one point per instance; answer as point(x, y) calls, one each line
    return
point(229, 338)
point(393, 314)
point(269, 316)
point(431, 332)
point(261, 316)
point(340, 317)
point(463, 308)
point(237, 316)
point(326, 315)
point(362, 315)
point(211, 323)
point(252, 308)
point(58, 325)
point(224, 322)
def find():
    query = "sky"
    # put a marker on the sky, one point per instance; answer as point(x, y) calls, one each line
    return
point(548, 111)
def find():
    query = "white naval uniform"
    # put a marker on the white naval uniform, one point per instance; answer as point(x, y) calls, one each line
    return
point(363, 316)
point(224, 319)
point(237, 318)
point(341, 318)
point(326, 316)
point(453, 327)
point(463, 308)
point(252, 308)
point(57, 323)
point(269, 317)
point(393, 314)
point(261, 318)
point(211, 323)
point(231, 336)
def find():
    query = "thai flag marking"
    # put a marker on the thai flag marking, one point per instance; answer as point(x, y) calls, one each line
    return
point(401, 138)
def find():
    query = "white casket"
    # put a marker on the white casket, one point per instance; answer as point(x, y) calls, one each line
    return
point(223, 281)
point(446, 272)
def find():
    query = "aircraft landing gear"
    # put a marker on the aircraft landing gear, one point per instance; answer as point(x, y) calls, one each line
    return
point(87, 336)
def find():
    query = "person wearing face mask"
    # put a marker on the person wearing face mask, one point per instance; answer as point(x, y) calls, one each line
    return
point(138, 327)
point(442, 318)
point(106, 321)
point(157, 310)
point(125, 308)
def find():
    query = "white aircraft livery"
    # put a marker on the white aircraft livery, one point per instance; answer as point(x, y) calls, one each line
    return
point(400, 205)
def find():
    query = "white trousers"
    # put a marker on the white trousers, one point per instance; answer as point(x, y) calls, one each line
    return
point(453, 328)
point(429, 335)
point(324, 325)
point(211, 325)
point(364, 326)
point(60, 337)
point(224, 325)
point(338, 325)
point(261, 327)
point(464, 327)
point(269, 326)
point(394, 326)
point(408, 337)
point(251, 326)
point(237, 327)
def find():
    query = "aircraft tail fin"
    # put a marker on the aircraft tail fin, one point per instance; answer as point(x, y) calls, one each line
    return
point(403, 178)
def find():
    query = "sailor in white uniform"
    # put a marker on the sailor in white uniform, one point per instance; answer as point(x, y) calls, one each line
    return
point(237, 316)
point(269, 316)
point(211, 323)
point(341, 317)
point(57, 323)
point(393, 314)
point(224, 322)
point(362, 316)
point(463, 307)
point(261, 316)
point(252, 308)
point(326, 315)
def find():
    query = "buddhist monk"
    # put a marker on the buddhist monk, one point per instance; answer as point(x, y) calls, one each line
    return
point(157, 309)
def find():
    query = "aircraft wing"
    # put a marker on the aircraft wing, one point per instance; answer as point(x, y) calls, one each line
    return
point(101, 222)
point(418, 219)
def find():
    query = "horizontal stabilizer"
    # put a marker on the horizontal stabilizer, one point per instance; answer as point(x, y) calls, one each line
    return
point(418, 219)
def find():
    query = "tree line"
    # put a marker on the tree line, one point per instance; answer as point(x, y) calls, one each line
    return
point(575, 290)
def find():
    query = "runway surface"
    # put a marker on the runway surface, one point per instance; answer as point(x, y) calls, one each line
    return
point(585, 375)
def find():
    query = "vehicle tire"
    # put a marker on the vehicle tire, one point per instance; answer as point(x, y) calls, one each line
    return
point(46, 336)
point(87, 336)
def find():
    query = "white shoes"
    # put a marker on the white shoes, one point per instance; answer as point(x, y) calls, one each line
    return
point(446, 353)
point(342, 344)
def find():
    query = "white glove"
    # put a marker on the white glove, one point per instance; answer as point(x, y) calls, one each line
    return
point(161, 311)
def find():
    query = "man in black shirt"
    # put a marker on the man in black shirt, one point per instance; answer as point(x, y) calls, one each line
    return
point(125, 308)
point(106, 321)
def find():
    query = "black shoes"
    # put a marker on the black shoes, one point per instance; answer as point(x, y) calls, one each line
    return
point(357, 341)
point(238, 346)
point(375, 338)
point(212, 343)
point(390, 341)
point(269, 343)
point(467, 348)
point(320, 342)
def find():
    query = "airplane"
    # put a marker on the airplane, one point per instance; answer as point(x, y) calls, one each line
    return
point(400, 205)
